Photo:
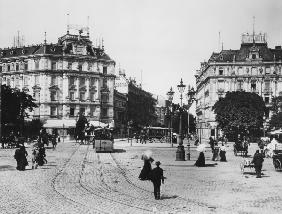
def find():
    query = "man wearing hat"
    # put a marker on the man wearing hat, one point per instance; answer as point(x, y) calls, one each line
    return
point(157, 177)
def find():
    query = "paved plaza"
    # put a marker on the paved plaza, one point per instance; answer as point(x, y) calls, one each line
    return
point(78, 180)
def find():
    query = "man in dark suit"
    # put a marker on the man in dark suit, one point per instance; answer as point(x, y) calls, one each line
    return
point(258, 160)
point(157, 177)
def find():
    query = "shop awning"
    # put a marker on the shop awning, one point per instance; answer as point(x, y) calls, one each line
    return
point(59, 124)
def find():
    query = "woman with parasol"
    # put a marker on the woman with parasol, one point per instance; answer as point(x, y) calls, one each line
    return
point(147, 168)
point(201, 159)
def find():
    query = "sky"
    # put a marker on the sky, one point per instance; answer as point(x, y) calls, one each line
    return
point(161, 41)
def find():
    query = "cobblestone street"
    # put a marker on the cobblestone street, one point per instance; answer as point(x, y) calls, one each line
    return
point(78, 180)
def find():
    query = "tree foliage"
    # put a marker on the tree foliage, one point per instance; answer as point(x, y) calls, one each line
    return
point(15, 105)
point(276, 121)
point(240, 113)
point(141, 110)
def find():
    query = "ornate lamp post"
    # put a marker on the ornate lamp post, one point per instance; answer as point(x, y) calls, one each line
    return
point(191, 98)
point(170, 98)
point(180, 153)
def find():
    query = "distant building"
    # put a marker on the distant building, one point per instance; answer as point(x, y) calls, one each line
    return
point(160, 110)
point(66, 78)
point(140, 103)
point(253, 68)
point(120, 113)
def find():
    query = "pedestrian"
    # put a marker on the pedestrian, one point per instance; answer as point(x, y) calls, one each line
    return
point(20, 156)
point(201, 160)
point(157, 178)
point(54, 141)
point(257, 161)
point(147, 168)
point(41, 156)
point(211, 143)
point(222, 152)
point(35, 158)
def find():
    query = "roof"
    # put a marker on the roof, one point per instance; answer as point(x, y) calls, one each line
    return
point(265, 53)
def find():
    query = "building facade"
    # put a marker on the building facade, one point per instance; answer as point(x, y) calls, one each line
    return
point(120, 113)
point(253, 68)
point(66, 78)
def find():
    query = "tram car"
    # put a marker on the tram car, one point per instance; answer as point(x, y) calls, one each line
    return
point(103, 140)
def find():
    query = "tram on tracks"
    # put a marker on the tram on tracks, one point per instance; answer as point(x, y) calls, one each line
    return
point(103, 140)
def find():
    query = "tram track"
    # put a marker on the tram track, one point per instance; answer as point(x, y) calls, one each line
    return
point(55, 181)
point(111, 193)
point(188, 201)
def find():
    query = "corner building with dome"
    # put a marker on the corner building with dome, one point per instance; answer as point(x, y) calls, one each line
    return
point(66, 78)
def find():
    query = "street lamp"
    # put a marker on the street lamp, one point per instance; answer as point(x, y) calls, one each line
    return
point(170, 98)
point(264, 125)
point(191, 98)
point(180, 153)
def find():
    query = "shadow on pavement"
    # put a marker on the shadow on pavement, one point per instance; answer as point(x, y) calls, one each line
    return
point(7, 167)
point(210, 164)
point(119, 151)
point(168, 197)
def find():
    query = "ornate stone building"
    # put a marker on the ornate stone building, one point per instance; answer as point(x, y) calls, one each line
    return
point(253, 68)
point(65, 78)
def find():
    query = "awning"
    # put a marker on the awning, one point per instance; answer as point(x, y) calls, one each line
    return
point(60, 124)
point(96, 123)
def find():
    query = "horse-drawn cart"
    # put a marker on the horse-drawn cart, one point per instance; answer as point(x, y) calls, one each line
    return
point(240, 148)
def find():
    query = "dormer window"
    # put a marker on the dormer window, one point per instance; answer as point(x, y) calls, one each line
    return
point(253, 56)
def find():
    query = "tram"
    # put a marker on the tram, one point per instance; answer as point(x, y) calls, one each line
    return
point(158, 133)
point(103, 140)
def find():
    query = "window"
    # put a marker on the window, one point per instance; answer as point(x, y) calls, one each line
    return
point(0, 68)
point(17, 81)
point(92, 96)
point(267, 85)
point(36, 79)
point(220, 72)
point(53, 111)
point(206, 93)
point(36, 62)
point(53, 66)
point(69, 65)
point(253, 86)
point(8, 67)
point(253, 56)
point(92, 81)
point(105, 98)
point(92, 111)
point(267, 70)
point(81, 81)
point(89, 67)
point(53, 95)
point(104, 70)
point(17, 67)
point(82, 96)
point(266, 100)
point(71, 80)
point(82, 110)
point(240, 86)
point(105, 82)
point(79, 67)
point(36, 95)
point(71, 95)
point(53, 80)
point(104, 112)
point(25, 66)
point(71, 111)
point(221, 85)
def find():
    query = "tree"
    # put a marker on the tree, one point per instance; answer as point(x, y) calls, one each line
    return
point(276, 107)
point(15, 106)
point(240, 113)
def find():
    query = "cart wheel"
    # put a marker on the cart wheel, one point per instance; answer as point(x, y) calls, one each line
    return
point(277, 164)
point(242, 167)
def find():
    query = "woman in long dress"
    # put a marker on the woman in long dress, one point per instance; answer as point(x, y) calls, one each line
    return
point(201, 162)
point(147, 168)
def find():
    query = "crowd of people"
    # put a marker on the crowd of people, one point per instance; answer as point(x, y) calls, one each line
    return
point(38, 154)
